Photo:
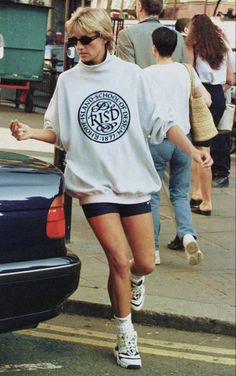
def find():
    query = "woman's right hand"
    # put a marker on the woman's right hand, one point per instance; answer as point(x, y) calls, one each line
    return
point(20, 131)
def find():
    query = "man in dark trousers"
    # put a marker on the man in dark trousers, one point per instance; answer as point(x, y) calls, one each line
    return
point(134, 43)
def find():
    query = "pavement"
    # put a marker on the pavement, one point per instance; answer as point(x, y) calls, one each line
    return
point(199, 298)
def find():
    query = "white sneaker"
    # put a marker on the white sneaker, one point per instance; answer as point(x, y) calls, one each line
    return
point(157, 257)
point(126, 351)
point(138, 294)
point(192, 251)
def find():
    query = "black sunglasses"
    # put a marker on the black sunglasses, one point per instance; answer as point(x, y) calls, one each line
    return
point(84, 40)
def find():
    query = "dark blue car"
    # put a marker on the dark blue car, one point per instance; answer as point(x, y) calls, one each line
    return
point(37, 272)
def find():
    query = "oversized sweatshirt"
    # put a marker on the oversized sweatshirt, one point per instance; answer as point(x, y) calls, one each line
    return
point(102, 116)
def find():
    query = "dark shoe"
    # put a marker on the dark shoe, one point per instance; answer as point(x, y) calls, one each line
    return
point(176, 244)
point(197, 210)
point(220, 182)
point(194, 203)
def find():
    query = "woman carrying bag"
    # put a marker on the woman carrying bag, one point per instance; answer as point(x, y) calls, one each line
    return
point(208, 53)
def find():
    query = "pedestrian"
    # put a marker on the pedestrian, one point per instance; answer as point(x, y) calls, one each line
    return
point(208, 53)
point(96, 114)
point(134, 43)
point(182, 26)
point(50, 38)
point(171, 79)
point(221, 168)
point(229, 15)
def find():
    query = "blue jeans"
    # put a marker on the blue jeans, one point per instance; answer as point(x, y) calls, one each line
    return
point(180, 174)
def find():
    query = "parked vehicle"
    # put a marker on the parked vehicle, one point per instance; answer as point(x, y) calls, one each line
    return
point(53, 58)
point(37, 272)
point(53, 66)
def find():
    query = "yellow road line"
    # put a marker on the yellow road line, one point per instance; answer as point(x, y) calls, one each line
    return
point(145, 350)
point(145, 341)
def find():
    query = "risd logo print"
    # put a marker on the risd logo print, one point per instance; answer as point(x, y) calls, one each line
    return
point(104, 116)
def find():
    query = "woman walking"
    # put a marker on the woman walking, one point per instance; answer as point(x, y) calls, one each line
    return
point(208, 53)
point(96, 114)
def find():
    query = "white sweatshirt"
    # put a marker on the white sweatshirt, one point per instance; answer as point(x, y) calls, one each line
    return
point(102, 115)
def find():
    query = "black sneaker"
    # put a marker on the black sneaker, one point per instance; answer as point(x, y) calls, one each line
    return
point(220, 182)
point(176, 244)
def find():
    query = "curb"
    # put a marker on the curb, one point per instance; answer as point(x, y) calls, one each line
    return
point(167, 320)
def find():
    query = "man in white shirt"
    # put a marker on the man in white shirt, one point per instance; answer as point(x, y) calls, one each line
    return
point(173, 81)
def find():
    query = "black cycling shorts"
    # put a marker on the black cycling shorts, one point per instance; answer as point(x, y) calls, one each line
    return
point(100, 208)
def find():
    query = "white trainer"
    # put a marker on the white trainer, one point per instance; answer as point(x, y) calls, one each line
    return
point(138, 294)
point(193, 253)
point(126, 351)
point(157, 257)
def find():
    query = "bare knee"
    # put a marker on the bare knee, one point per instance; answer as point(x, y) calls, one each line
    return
point(149, 268)
point(119, 266)
point(144, 267)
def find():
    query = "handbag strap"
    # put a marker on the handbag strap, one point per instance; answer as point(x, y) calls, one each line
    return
point(190, 71)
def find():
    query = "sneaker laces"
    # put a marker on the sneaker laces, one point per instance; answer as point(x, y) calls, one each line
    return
point(136, 290)
point(128, 343)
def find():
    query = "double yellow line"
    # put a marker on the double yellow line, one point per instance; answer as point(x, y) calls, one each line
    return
point(216, 355)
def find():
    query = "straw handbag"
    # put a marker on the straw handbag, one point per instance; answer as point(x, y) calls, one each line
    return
point(202, 124)
point(226, 123)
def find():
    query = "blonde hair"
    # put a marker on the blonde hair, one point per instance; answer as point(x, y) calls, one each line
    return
point(92, 20)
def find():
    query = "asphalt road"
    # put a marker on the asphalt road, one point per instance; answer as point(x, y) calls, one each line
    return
point(82, 346)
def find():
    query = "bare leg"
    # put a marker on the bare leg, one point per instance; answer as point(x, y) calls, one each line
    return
point(110, 233)
point(139, 231)
point(196, 187)
point(205, 178)
point(116, 237)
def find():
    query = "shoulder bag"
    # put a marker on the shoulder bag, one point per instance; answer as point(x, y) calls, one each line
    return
point(226, 123)
point(201, 120)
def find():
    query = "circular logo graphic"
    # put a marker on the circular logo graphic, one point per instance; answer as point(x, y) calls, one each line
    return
point(104, 116)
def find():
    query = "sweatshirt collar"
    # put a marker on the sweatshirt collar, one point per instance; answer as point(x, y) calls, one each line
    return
point(96, 67)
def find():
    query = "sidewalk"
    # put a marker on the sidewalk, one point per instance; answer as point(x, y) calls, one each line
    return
point(177, 295)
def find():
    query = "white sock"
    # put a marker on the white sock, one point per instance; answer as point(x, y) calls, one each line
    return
point(124, 324)
point(187, 239)
point(136, 278)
